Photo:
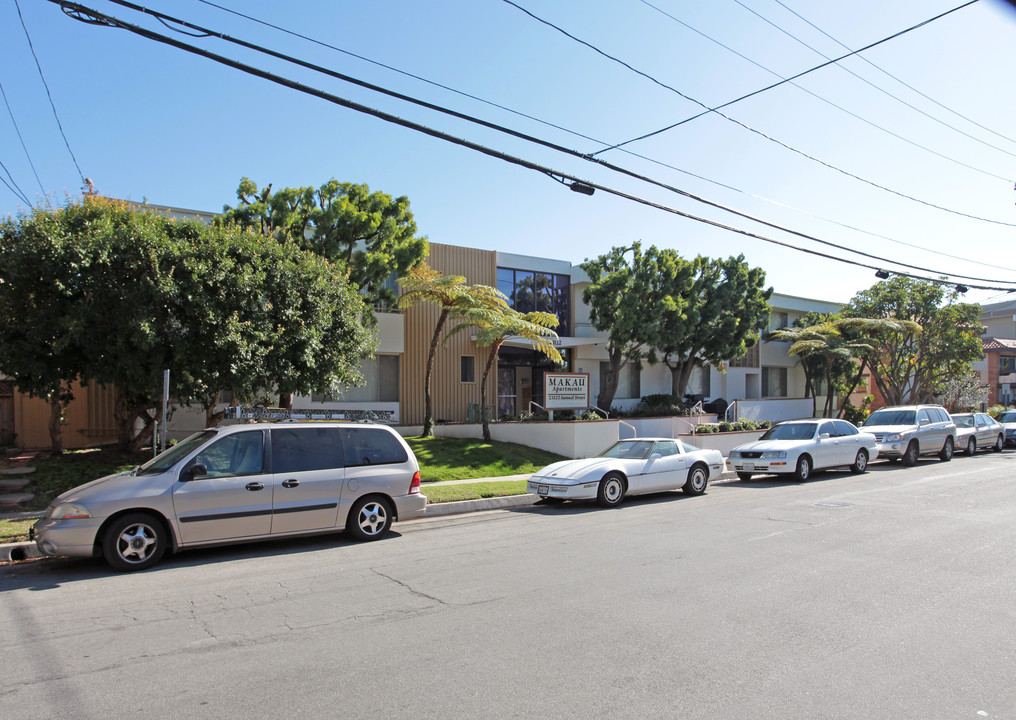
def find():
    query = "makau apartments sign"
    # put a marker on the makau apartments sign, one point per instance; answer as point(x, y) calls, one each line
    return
point(566, 391)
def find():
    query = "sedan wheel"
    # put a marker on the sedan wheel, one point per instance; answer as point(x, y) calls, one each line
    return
point(611, 491)
point(134, 542)
point(999, 443)
point(860, 462)
point(697, 480)
point(971, 446)
point(803, 468)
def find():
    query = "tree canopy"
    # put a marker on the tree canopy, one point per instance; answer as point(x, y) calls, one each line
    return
point(139, 293)
point(368, 235)
point(937, 341)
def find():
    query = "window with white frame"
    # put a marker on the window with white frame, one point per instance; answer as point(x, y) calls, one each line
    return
point(629, 381)
point(777, 321)
point(774, 382)
point(382, 383)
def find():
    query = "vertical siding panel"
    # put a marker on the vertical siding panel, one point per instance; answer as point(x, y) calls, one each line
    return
point(451, 398)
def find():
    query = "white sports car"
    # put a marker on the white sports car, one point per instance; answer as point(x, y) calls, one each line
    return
point(629, 467)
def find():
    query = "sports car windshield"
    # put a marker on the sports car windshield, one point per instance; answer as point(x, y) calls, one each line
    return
point(892, 417)
point(629, 449)
point(795, 431)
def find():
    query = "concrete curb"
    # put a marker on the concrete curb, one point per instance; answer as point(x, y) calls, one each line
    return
point(466, 506)
point(10, 552)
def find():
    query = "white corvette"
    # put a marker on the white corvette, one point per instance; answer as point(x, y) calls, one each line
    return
point(629, 467)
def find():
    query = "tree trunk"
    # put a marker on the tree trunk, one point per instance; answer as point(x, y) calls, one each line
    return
point(483, 390)
point(428, 410)
point(56, 408)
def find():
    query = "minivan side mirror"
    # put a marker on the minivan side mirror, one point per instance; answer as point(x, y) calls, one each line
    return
point(195, 470)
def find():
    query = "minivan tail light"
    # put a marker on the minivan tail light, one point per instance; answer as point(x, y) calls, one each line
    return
point(414, 487)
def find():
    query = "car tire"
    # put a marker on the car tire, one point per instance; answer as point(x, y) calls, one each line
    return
point(135, 541)
point(370, 518)
point(698, 479)
point(611, 490)
point(999, 444)
point(946, 453)
point(910, 456)
point(803, 470)
point(860, 462)
point(971, 446)
point(743, 476)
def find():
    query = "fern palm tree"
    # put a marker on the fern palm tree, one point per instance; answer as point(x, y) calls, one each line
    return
point(492, 330)
point(454, 298)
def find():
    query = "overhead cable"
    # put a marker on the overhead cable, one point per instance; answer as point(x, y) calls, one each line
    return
point(23, 146)
point(91, 16)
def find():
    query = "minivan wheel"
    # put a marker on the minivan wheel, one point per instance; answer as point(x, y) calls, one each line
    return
point(860, 462)
point(946, 453)
point(910, 456)
point(698, 478)
point(971, 446)
point(134, 542)
point(369, 519)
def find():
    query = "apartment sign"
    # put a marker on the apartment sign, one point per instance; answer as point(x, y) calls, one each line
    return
point(566, 391)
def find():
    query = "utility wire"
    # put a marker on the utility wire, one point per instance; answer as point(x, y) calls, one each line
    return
point(575, 133)
point(856, 75)
point(163, 18)
point(23, 146)
point(48, 94)
point(15, 189)
point(91, 16)
point(897, 79)
point(751, 129)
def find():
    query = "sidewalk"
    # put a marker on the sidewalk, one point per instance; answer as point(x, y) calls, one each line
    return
point(25, 550)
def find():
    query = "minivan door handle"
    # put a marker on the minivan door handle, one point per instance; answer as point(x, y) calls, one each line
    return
point(255, 486)
point(292, 482)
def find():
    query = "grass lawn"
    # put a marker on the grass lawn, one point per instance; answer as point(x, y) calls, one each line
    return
point(439, 458)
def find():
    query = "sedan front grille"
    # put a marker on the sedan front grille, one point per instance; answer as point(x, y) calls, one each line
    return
point(751, 454)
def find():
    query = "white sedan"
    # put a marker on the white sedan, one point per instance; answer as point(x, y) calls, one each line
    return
point(800, 446)
point(629, 467)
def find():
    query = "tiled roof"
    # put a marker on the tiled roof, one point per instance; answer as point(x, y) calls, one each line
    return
point(998, 344)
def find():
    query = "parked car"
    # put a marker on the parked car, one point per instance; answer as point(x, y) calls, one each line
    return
point(1008, 422)
point(629, 467)
point(978, 430)
point(905, 432)
point(800, 446)
point(237, 483)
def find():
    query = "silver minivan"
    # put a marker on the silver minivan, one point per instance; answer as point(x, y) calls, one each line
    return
point(236, 483)
point(905, 432)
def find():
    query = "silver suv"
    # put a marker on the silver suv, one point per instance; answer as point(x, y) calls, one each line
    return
point(905, 432)
point(236, 483)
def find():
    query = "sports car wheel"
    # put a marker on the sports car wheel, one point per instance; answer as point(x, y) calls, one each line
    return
point(134, 542)
point(803, 471)
point(860, 462)
point(946, 453)
point(611, 490)
point(910, 456)
point(971, 446)
point(698, 478)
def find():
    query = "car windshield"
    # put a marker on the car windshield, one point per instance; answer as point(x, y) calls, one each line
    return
point(963, 420)
point(167, 459)
point(1007, 417)
point(790, 431)
point(892, 417)
point(629, 449)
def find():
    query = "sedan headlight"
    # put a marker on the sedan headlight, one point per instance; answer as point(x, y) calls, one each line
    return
point(69, 511)
point(734, 454)
point(774, 454)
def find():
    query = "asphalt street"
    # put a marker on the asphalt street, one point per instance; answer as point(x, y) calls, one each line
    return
point(886, 595)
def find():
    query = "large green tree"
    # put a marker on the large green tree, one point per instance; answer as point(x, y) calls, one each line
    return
point(714, 317)
point(369, 235)
point(626, 299)
point(938, 340)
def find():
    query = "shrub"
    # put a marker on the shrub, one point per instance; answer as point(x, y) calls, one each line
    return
point(996, 410)
point(858, 415)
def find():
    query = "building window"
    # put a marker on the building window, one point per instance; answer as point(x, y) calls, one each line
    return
point(382, 383)
point(750, 360)
point(774, 382)
point(1006, 365)
point(467, 369)
point(777, 321)
point(529, 291)
point(698, 383)
point(629, 381)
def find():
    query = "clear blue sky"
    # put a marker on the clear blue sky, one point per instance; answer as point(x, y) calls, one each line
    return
point(146, 121)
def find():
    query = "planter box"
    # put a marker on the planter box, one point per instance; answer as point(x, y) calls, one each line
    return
point(724, 442)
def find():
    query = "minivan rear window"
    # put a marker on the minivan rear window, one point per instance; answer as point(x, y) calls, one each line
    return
point(371, 446)
point(305, 449)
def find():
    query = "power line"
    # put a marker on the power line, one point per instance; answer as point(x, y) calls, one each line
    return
point(575, 133)
point(48, 94)
point(900, 81)
point(748, 127)
point(833, 104)
point(23, 146)
point(91, 16)
point(206, 32)
point(15, 189)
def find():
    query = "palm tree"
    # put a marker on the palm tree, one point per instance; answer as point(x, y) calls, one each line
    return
point(492, 330)
point(454, 297)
